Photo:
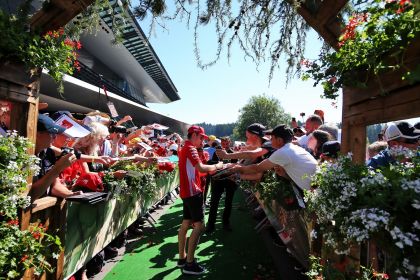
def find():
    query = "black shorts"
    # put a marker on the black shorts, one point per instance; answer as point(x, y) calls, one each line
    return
point(193, 208)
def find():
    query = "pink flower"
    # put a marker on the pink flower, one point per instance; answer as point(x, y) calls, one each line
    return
point(306, 63)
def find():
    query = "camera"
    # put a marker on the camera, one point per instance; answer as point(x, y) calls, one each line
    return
point(65, 151)
point(68, 150)
point(118, 129)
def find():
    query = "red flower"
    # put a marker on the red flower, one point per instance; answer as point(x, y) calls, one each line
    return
point(289, 200)
point(61, 31)
point(166, 166)
point(24, 258)
point(78, 45)
point(36, 235)
point(349, 31)
point(76, 65)
point(69, 42)
point(380, 275)
point(13, 222)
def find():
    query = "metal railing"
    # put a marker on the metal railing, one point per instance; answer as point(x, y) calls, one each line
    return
point(88, 75)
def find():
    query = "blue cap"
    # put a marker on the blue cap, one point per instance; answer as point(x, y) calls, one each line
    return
point(45, 123)
point(58, 114)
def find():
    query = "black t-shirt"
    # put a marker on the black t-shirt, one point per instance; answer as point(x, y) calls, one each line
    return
point(48, 159)
point(215, 159)
point(270, 150)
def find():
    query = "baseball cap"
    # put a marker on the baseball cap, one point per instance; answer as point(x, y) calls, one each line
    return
point(331, 148)
point(212, 137)
point(282, 131)
point(173, 147)
point(401, 130)
point(58, 114)
point(197, 129)
point(257, 129)
point(299, 129)
point(45, 123)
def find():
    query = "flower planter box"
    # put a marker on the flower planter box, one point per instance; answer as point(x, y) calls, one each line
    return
point(90, 228)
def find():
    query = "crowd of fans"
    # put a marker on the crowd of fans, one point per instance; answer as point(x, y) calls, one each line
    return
point(75, 152)
point(293, 152)
point(89, 146)
point(75, 149)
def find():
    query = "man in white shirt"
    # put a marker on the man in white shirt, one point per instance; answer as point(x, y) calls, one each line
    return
point(297, 163)
point(312, 124)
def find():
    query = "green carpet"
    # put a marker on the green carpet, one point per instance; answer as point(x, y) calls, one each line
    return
point(226, 255)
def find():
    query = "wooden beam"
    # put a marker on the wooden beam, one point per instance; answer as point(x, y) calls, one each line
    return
point(44, 203)
point(354, 140)
point(330, 9)
point(330, 38)
point(58, 13)
point(325, 21)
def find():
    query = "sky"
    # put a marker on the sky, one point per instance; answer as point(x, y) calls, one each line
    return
point(215, 95)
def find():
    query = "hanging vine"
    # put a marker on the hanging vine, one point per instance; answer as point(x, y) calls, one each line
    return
point(264, 30)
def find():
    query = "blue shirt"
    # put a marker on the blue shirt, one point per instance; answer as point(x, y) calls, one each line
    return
point(382, 159)
point(210, 150)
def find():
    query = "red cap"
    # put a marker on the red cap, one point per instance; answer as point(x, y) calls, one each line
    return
point(197, 129)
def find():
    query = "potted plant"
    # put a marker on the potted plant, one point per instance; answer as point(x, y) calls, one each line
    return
point(354, 204)
point(376, 40)
point(31, 248)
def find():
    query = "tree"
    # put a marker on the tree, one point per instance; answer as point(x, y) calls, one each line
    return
point(260, 109)
point(372, 132)
point(219, 130)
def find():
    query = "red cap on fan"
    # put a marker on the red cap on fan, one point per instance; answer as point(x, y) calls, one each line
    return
point(197, 129)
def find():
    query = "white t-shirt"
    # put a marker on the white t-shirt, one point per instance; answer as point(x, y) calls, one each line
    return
point(303, 141)
point(297, 163)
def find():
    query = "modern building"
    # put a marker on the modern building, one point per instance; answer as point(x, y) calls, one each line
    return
point(131, 73)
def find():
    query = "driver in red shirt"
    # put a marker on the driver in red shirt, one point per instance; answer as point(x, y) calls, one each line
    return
point(191, 193)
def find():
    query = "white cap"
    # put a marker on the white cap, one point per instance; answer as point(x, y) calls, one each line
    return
point(96, 118)
point(401, 130)
point(173, 147)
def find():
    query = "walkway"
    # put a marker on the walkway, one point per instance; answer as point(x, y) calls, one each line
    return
point(240, 254)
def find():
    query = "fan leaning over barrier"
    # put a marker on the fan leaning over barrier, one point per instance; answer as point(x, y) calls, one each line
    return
point(297, 165)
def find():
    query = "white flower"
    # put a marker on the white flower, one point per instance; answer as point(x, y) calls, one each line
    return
point(411, 185)
point(362, 222)
point(403, 239)
point(399, 151)
point(416, 204)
